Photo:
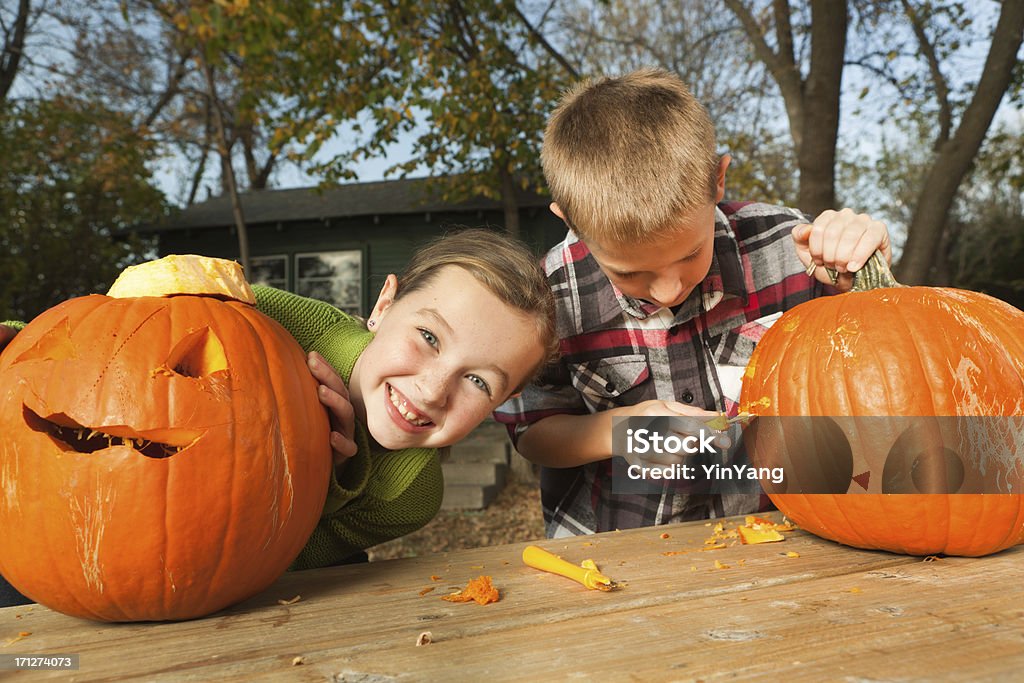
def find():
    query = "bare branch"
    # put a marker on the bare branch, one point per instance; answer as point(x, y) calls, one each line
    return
point(539, 37)
point(14, 46)
point(941, 85)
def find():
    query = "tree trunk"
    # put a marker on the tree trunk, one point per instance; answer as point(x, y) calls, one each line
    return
point(817, 155)
point(954, 157)
point(225, 155)
point(812, 105)
point(509, 202)
point(14, 46)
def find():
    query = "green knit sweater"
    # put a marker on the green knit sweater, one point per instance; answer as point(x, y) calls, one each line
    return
point(378, 495)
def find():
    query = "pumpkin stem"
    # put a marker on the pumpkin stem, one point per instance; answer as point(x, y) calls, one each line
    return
point(874, 275)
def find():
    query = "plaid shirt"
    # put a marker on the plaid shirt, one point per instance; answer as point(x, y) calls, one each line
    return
point(619, 351)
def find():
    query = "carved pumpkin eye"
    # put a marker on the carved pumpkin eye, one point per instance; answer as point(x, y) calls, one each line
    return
point(796, 444)
point(199, 354)
point(55, 345)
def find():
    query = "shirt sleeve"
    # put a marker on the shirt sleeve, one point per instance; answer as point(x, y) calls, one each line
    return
point(403, 494)
point(552, 394)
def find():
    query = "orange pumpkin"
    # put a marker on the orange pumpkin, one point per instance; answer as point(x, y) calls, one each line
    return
point(163, 456)
point(871, 467)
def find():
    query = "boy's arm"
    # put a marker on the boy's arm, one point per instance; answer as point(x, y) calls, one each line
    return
point(554, 431)
point(568, 440)
point(403, 494)
point(842, 241)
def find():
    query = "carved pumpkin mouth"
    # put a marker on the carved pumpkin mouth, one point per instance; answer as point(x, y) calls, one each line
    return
point(71, 436)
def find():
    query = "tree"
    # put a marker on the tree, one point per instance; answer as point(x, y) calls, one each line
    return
point(957, 144)
point(988, 219)
point(937, 31)
point(812, 101)
point(476, 75)
point(75, 175)
point(146, 58)
point(709, 51)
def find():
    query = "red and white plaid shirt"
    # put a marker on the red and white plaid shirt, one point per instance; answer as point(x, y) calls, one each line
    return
point(619, 351)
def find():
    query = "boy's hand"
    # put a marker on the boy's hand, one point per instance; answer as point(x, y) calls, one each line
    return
point(334, 396)
point(6, 335)
point(843, 241)
point(686, 421)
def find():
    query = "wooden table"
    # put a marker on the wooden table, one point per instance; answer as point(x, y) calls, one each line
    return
point(832, 613)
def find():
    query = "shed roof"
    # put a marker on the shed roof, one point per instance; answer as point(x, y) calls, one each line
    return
point(410, 195)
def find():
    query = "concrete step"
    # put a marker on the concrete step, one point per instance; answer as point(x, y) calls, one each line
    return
point(476, 468)
point(479, 473)
point(468, 496)
point(483, 451)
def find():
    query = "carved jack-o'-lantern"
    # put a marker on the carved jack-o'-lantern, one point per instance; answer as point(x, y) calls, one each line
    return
point(162, 456)
point(902, 417)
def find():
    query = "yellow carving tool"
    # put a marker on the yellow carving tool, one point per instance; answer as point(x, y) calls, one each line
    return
point(541, 559)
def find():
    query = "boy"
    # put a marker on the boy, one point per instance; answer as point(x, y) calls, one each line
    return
point(662, 292)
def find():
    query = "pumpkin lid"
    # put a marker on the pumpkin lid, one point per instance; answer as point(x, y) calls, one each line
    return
point(184, 274)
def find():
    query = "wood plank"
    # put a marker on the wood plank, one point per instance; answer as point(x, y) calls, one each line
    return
point(676, 616)
point(958, 619)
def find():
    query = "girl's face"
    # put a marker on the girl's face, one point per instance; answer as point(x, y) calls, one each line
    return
point(443, 358)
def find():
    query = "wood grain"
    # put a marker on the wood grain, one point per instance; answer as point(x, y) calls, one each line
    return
point(831, 613)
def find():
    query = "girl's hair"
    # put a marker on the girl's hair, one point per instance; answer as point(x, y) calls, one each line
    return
point(627, 156)
point(502, 264)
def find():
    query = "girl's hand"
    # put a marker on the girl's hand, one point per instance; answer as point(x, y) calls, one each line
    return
point(334, 396)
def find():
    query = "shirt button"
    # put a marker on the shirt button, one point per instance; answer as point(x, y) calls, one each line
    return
point(687, 397)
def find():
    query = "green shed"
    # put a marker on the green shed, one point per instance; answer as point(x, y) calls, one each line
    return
point(338, 244)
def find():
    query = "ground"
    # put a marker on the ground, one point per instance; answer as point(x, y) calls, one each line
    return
point(514, 516)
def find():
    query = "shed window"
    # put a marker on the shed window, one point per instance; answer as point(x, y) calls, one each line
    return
point(269, 270)
point(332, 276)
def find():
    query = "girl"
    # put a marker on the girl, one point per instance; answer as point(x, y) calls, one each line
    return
point(469, 323)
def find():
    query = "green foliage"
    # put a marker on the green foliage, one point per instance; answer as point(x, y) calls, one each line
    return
point(471, 74)
point(74, 176)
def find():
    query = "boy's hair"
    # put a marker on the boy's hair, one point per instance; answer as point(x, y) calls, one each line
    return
point(626, 156)
point(502, 264)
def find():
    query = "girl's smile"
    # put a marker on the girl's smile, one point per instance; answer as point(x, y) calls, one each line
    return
point(404, 414)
